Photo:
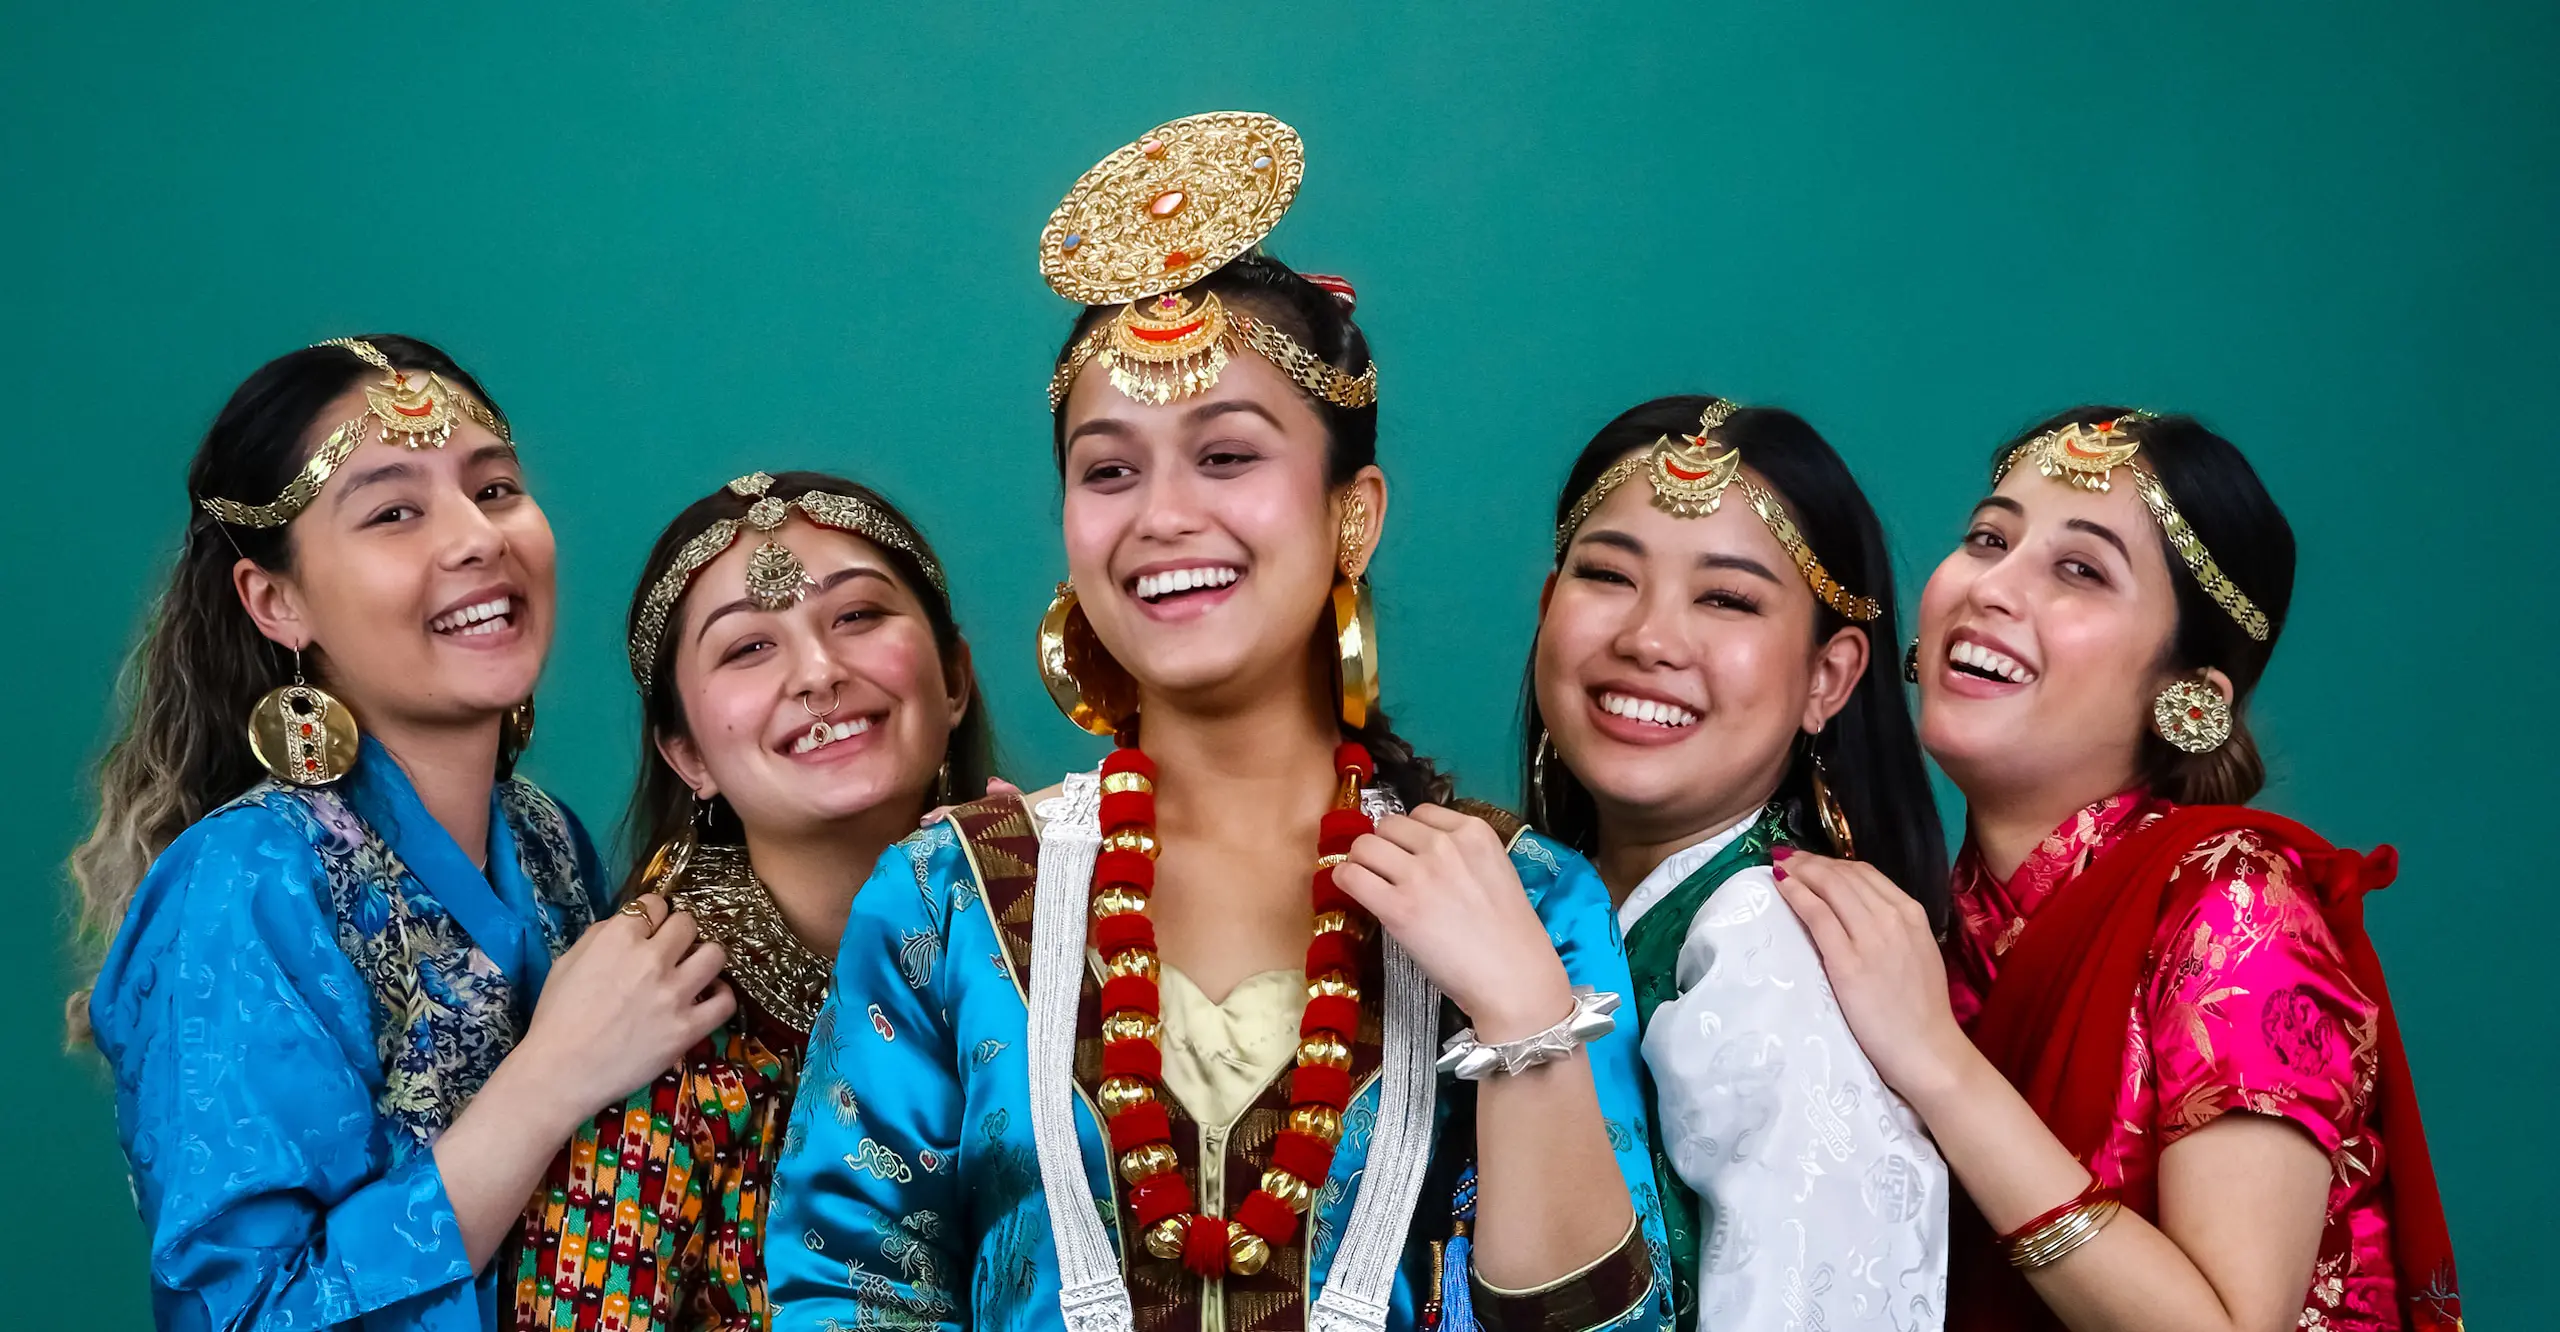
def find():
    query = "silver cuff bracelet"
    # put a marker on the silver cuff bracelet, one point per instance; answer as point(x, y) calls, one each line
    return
point(1474, 1061)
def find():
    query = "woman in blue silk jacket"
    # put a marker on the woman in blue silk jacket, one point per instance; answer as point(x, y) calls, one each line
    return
point(330, 908)
point(1155, 1049)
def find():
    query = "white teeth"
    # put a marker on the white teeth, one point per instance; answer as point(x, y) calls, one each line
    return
point(822, 734)
point(1152, 586)
point(1982, 658)
point(474, 619)
point(1647, 710)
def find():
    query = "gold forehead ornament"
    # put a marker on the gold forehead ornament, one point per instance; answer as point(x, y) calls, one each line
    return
point(2086, 454)
point(1158, 215)
point(419, 409)
point(775, 577)
point(1689, 477)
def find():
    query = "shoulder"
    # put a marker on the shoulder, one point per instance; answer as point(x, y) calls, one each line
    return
point(269, 838)
point(2239, 898)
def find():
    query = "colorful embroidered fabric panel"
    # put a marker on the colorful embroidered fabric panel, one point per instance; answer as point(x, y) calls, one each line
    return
point(653, 1216)
point(2246, 1006)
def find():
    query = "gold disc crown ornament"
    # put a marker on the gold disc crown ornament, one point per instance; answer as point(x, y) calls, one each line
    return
point(1155, 217)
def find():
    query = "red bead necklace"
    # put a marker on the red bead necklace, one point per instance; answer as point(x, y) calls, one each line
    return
point(1124, 875)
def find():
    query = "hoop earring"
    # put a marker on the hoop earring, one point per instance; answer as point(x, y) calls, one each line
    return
point(1911, 663)
point(515, 731)
point(1538, 778)
point(1355, 641)
point(1093, 691)
point(2192, 715)
point(667, 863)
point(301, 734)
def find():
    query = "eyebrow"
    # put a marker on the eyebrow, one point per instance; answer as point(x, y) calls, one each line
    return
point(1617, 540)
point(2104, 533)
point(826, 585)
point(1197, 416)
point(372, 476)
point(2001, 502)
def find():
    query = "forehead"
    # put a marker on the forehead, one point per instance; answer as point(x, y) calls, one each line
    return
point(1247, 379)
point(2051, 503)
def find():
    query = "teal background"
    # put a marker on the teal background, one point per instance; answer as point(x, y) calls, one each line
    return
point(682, 242)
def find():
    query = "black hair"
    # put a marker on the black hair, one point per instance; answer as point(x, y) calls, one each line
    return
point(1319, 321)
point(182, 749)
point(661, 802)
point(2228, 506)
point(1870, 752)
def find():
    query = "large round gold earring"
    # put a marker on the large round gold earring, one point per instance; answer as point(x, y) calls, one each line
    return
point(1834, 819)
point(1087, 685)
point(2193, 715)
point(515, 733)
point(301, 734)
point(1355, 639)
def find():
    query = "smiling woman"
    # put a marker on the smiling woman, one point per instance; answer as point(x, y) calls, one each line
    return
point(806, 694)
point(322, 948)
point(2239, 1146)
point(1155, 1048)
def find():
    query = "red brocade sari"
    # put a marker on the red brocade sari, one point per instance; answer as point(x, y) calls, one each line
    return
point(2158, 966)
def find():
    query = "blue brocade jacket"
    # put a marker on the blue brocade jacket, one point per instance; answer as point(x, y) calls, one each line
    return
point(909, 1193)
point(308, 986)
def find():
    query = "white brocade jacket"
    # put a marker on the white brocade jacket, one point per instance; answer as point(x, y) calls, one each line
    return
point(1823, 1202)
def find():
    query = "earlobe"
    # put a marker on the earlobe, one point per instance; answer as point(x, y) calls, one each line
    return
point(960, 680)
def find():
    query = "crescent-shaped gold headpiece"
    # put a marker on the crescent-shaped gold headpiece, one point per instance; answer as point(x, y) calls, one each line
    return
point(421, 409)
point(775, 576)
point(1156, 216)
point(1689, 478)
point(2087, 454)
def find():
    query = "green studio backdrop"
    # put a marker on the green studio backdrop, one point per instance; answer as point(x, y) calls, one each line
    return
point(684, 242)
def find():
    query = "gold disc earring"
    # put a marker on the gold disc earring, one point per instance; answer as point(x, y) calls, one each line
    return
point(2193, 715)
point(1087, 685)
point(1834, 819)
point(301, 734)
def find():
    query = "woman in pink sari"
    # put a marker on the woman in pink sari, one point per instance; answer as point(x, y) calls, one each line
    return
point(2158, 1053)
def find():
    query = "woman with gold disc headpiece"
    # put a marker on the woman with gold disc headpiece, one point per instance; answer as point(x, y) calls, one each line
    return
point(805, 695)
point(1711, 686)
point(1250, 1024)
point(339, 994)
point(2239, 1146)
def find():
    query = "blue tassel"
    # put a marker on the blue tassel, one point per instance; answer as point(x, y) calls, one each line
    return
point(1457, 1279)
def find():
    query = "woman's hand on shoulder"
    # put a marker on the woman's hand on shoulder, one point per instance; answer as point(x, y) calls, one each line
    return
point(1883, 963)
point(626, 1001)
point(1443, 885)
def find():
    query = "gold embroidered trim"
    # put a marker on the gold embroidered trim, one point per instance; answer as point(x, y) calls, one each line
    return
point(733, 908)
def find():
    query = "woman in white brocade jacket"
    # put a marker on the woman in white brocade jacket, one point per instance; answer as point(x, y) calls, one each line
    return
point(1713, 686)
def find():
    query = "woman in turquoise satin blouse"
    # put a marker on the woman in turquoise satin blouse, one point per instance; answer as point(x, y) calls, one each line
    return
point(334, 1084)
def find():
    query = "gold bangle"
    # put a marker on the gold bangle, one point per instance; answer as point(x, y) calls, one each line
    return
point(2056, 1240)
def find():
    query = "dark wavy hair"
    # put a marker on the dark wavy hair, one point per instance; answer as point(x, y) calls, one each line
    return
point(1321, 322)
point(2221, 497)
point(182, 748)
point(1870, 752)
point(661, 803)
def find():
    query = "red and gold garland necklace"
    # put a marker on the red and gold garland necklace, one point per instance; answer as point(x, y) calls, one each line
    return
point(1124, 875)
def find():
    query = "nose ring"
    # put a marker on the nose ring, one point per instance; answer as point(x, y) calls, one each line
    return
point(832, 701)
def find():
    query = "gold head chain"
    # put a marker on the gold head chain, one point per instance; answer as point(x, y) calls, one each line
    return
point(2086, 455)
point(419, 409)
point(775, 576)
point(1689, 477)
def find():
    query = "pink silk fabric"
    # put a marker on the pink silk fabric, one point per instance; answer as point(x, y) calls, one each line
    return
point(2245, 1005)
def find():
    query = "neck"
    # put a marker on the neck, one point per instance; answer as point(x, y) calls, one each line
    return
point(1634, 844)
point(452, 769)
point(1275, 755)
point(2007, 824)
point(813, 873)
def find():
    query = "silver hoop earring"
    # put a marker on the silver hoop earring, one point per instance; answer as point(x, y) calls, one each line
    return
point(1538, 775)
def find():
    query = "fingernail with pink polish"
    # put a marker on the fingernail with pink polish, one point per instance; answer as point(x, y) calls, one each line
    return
point(1781, 851)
